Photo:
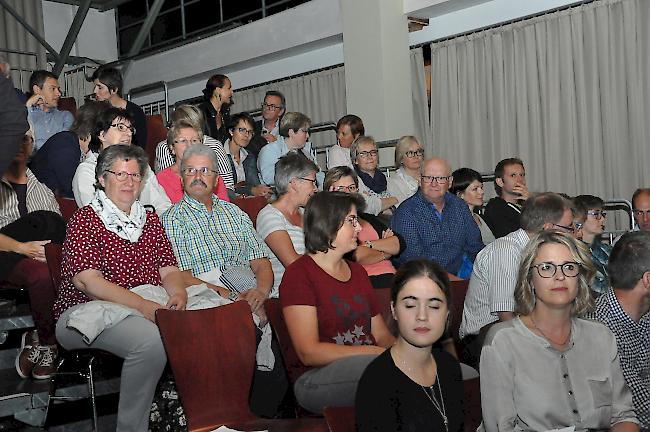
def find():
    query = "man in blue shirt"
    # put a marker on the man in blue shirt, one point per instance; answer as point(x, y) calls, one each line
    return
point(437, 225)
point(42, 110)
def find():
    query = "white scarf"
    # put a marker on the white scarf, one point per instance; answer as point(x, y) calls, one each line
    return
point(128, 227)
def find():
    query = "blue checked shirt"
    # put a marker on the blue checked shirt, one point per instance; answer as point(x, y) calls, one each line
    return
point(442, 237)
point(203, 240)
point(633, 343)
point(48, 123)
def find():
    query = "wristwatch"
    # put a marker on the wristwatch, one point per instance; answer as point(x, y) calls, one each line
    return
point(368, 244)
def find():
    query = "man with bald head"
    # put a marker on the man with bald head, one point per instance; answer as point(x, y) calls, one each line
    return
point(437, 225)
point(641, 208)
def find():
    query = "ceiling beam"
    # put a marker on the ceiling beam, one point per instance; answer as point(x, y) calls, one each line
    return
point(71, 37)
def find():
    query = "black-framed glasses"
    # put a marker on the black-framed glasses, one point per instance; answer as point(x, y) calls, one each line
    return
point(123, 128)
point(367, 154)
point(313, 181)
point(350, 188)
point(245, 131)
point(352, 220)
point(414, 153)
point(204, 171)
point(271, 107)
point(437, 179)
point(188, 142)
point(597, 214)
point(568, 229)
point(121, 176)
point(641, 213)
point(547, 270)
point(306, 131)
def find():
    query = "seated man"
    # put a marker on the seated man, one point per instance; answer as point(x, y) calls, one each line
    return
point(29, 219)
point(490, 296)
point(625, 310)
point(267, 130)
point(436, 224)
point(503, 212)
point(641, 208)
point(42, 109)
point(591, 217)
point(213, 236)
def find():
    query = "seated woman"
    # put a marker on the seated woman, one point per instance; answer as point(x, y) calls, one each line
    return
point(113, 127)
point(113, 245)
point(548, 369)
point(467, 184)
point(376, 242)
point(372, 184)
point(192, 115)
point(413, 386)
point(348, 128)
point(409, 155)
point(280, 223)
point(242, 164)
point(329, 306)
point(592, 218)
point(108, 87)
point(181, 135)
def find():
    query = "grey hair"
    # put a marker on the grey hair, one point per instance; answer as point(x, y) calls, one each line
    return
point(200, 150)
point(543, 208)
point(354, 148)
point(114, 153)
point(290, 166)
point(402, 147)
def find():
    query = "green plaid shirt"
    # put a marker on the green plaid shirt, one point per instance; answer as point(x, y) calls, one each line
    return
point(204, 240)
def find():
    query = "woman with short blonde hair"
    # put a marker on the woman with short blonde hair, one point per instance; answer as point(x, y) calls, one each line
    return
point(409, 156)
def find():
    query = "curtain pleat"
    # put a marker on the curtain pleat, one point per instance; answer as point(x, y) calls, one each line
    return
point(420, 103)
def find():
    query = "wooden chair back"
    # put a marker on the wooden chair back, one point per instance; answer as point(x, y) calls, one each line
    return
point(340, 419)
point(68, 104)
point(67, 206)
point(251, 206)
point(156, 132)
point(473, 413)
point(458, 293)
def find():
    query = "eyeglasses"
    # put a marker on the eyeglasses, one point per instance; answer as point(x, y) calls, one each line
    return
point(123, 175)
point(303, 131)
point(352, 220)
point(431, 179)
point(547, 270)
point(566, 228)
point(188, 142)
point(313, 181)
point(367, 154)
point(598, 214)
point(271, 107)
point(414, 153)
point(204, 171)
point(245, 131)
point(350, 189)
point(123, 128)
point(642, 213)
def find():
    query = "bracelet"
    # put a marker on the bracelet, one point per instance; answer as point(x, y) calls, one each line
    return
point(232, 295)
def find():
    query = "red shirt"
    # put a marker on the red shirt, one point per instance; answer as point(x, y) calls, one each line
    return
point(173, 186)
point(89, 245)
point(343, 309)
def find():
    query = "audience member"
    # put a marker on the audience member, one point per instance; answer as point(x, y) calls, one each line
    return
point(108, 87)
point(625, 310)
point(294, 133)
point(242, 163)
point(215, 107)
point(490, 296)
point(280, 223)
point(29, 219)
point(180, 136)
point(329, 306)
point(592, 218)
point(409, 155)
point(348, 128)
point(42, 109)
point(641, 208)
point(539, 371)
point(372, 182)
point(112, 246)
point(267, 130)
point(192, 115)
point(377, 243)
point(113, 127)
point(397, 390)
point(436, 224)
point(467, 185)
point(13, 123)
point(55, 163)
point(503, 212)
point(5, 71)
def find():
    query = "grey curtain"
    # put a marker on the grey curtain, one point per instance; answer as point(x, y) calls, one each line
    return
point(420, 103)
point(567, 92)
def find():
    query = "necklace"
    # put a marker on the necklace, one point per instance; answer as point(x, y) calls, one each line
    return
point(566, 340)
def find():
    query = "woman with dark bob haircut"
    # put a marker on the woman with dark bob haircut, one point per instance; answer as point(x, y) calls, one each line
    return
point(547, 368)
point(467, 185)
point(414, 386)
point(329, 305)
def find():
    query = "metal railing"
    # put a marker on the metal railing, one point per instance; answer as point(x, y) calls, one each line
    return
point(23, 72)
point(153, 107)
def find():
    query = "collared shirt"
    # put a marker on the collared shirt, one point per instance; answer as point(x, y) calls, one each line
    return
point(442, 237)
point(338, 156)
point(633, 341)
point(39, 197)
point(275, 131)
point(401, 185)
point(492, 284)
point(528, 385)
point(48, 123)
point(239, 174)
point(270, 154)
point(205, 240)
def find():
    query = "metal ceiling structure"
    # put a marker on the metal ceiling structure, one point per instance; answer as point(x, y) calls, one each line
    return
point(100, 5)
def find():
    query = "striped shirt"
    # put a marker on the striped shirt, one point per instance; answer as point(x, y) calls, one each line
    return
point(204, 240)
point(492, 285)
point(39, 197)
point(165, 159)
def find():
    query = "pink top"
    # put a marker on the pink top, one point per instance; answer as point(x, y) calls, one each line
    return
point(368, 233)
point(171, 182)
